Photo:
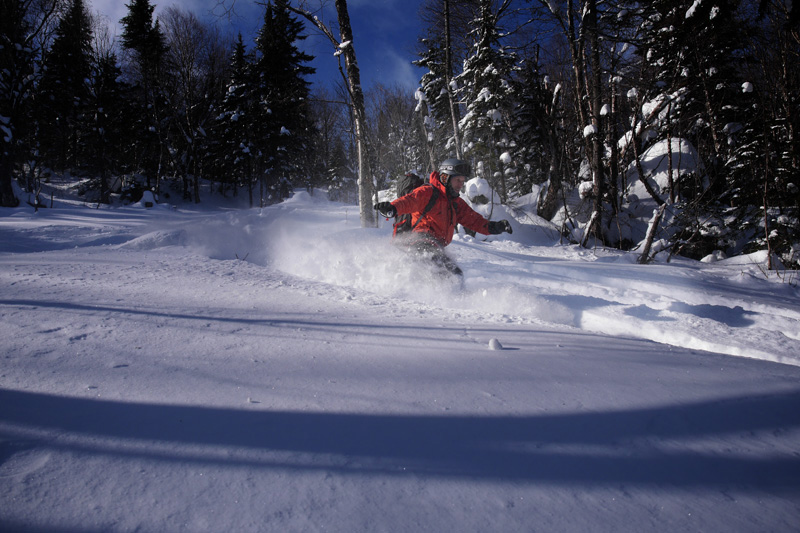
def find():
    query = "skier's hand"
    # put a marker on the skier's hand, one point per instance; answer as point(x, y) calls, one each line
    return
point(499, 226)
point(386, 209)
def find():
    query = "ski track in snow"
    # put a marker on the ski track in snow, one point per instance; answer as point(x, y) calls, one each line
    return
point(285, 370)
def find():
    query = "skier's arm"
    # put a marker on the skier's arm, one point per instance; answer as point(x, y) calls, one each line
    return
point(472, 220)
point(413, 202)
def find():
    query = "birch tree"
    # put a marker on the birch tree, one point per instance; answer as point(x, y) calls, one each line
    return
point(344, 48)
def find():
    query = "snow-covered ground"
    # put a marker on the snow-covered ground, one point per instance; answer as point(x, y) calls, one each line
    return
point(285, 370)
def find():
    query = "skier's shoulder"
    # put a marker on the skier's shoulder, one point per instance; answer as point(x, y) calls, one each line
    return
point(422, 193)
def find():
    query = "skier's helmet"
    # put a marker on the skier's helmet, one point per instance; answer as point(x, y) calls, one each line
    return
point(455, 167)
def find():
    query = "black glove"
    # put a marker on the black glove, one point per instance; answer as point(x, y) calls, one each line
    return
point(500, 226)
point(386, 209)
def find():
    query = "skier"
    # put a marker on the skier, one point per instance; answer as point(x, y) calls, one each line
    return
point(435, 210)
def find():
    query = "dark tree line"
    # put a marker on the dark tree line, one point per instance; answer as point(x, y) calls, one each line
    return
point(174, 105)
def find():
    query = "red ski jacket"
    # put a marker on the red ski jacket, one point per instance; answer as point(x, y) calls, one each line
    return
point(440, 222)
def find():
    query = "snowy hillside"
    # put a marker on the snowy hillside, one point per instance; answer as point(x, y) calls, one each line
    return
point(283, 369)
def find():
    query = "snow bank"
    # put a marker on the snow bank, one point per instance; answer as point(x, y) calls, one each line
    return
point(656, 164)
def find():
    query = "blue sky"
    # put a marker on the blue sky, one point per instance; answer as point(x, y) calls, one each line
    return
point(384, 34)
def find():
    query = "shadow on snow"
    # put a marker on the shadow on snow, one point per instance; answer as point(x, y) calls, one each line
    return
point(679, 446)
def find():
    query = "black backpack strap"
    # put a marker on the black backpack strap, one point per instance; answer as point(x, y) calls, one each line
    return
point(434, 197)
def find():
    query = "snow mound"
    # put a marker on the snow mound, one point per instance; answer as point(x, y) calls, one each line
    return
point(656, 166)
point(157, 239)
point(303, 197)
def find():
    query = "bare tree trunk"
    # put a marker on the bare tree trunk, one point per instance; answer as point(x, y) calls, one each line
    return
point(598, 177)
point(766, 210)
point(651, 233)
point(353, 79)
point(670, 175)
point(576, 39)
point(7, 197)
point(365, 188)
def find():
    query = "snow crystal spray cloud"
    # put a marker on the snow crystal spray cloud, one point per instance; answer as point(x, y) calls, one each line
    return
point(357, 258)
point(324, 246)
point(366, 260)
point(512, 302)
point(334, 253)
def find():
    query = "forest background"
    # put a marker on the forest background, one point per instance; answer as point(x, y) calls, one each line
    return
point(566, 102)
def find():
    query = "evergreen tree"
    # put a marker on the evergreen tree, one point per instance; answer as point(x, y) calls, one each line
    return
point(284, 127)
point(691, 48)
point(144, 38)
point(64, 90)
point(109, 137)
point(233, 131)
point(145, 41)
point(434, 108)
point(486, 86)
point(534, 125)
point(447, 42)
point(765, 156)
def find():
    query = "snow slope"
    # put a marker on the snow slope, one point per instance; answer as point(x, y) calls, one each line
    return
point(284, 370)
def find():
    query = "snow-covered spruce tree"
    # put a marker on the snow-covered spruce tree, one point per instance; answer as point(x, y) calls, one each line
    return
point(433, 103)
point(767, 154)
point(690, 49)
point(541, 156)
point(64, 91)
point(485, 87)
point(444, 44)
point(230, 156)
point(144, 41)
point(285, 129)
point(109, 137)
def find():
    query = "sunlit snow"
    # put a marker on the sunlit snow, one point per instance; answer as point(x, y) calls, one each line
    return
point(283, 369)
